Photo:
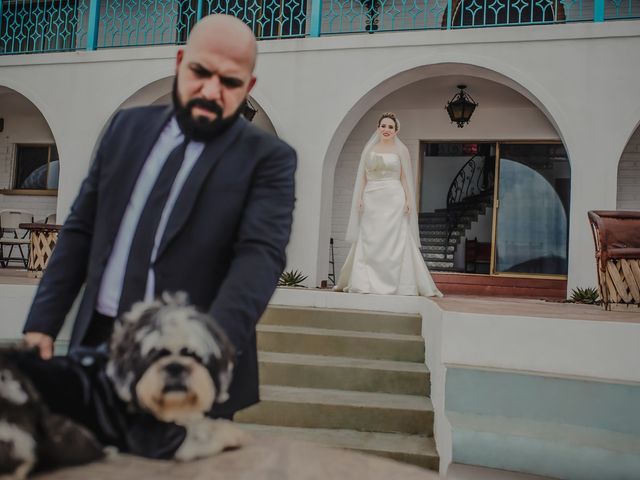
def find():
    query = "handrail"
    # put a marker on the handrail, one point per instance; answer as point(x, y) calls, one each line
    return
point(472, 179)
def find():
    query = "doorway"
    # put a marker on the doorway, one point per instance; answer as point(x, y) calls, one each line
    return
point(494, 207)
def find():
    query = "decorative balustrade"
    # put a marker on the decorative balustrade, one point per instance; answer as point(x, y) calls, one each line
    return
point(35, 26)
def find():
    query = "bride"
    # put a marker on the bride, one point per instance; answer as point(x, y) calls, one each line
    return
point(383, 226)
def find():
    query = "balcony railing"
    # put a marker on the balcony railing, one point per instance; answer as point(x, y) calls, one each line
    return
point(36, 26)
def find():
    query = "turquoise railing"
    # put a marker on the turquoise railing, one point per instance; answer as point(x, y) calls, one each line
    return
point(34, 26)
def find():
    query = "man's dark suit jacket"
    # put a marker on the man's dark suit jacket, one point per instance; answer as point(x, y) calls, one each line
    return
point(224, 243)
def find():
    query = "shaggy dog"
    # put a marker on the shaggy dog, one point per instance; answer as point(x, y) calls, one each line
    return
point(148, 394)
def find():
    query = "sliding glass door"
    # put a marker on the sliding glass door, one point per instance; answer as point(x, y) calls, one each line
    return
point(532, 209)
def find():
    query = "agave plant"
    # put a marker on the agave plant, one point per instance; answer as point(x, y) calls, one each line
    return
point(291, 278)
point(587, 295)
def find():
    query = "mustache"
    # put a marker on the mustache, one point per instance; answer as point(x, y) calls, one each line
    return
point(209, 105)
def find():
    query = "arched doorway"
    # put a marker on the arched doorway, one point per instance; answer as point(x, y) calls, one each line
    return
point(463, 228)
point(29, 160)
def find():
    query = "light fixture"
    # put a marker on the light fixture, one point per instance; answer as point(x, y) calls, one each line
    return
point(249, 110)
point(461, 107)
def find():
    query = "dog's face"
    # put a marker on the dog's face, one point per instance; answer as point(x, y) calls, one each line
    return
point(170, 360)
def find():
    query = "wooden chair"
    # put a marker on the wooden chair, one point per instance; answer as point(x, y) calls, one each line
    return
point(11, 236)
point(616, 235)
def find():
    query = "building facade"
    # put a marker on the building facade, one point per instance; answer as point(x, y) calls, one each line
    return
point(555, 87)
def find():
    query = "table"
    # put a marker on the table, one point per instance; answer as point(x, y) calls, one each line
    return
point(43, 238)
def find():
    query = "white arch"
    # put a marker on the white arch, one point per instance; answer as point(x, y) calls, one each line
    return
point(634, 119)
point(37, 101)
point(405, 72)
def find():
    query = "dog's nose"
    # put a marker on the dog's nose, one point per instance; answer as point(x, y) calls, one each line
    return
point(175, 369)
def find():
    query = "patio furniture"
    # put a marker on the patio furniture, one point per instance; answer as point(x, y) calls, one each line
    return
point(43, 238)
point(10, 237)
point(617, 241)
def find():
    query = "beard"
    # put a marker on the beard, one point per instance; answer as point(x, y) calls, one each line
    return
point(201, 129)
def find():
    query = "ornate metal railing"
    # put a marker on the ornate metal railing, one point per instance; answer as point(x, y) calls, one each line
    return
point(34, 26)
point(474, 179)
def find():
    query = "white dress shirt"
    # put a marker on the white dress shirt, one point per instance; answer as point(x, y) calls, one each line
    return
point(113, 277)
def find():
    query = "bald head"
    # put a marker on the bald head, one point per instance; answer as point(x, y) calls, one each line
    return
point(225, 34)
point(216, 67)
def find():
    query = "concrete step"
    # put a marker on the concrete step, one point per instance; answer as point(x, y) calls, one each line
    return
point(339, 409)
point(414, 449)
point(340, 319)
point(341, 343)
point(342, 373)
point(554, 449)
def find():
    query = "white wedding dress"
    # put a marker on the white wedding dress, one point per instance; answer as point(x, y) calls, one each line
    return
point(385, 258)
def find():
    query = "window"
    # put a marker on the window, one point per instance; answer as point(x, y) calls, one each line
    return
point(37, 167)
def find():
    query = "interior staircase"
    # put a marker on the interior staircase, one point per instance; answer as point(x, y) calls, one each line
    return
point(344, 378)
point(437, 246)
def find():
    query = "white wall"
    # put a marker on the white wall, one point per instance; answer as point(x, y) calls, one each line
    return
point(580, 77)
point(629, 175)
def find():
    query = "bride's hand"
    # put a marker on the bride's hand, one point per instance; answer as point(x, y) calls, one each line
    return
point(406, 209)
point(360, 206)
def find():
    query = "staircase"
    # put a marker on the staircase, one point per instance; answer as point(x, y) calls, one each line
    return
point(347, 379)
point(437, 246)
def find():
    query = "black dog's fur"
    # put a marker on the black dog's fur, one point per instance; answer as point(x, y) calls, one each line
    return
point(30, 435)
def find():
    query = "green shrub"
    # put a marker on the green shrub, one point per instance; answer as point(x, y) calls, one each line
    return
point(587, 295)
point(292, 278)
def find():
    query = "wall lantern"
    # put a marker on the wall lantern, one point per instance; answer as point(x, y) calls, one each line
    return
point(249, 110)
point(461, 107)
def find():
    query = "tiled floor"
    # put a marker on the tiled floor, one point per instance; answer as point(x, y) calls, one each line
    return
point(16, 276)
point(532, 308)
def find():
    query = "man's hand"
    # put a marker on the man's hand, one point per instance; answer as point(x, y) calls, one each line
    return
point(41, 340)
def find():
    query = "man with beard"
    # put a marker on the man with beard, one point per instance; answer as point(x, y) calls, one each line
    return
point(190, 198)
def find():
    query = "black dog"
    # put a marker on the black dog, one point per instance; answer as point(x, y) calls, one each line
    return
point(30, 435)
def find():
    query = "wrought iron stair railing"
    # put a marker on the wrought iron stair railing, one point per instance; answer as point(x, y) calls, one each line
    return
point(475, 178)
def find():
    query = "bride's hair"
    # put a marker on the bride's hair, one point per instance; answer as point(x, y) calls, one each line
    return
point(392, 116)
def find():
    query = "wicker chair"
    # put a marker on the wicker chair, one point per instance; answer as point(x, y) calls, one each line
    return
point(9, 226)
point(617, 240)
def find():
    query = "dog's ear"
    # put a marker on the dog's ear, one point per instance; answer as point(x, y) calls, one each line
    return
point(124, 349)
point(223, 360)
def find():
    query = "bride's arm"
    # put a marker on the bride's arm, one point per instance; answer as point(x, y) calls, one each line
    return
point(360, 202)
point(403, 180)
